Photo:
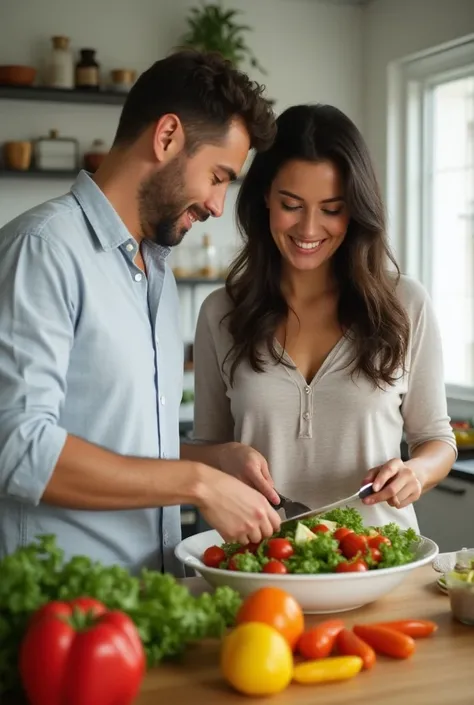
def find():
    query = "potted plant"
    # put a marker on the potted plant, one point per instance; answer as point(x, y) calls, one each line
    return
point(211, 28)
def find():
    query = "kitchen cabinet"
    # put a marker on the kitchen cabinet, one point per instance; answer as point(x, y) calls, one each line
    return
point(446, 513)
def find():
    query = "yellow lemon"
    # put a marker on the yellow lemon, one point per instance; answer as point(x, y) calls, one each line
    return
point(256, 659)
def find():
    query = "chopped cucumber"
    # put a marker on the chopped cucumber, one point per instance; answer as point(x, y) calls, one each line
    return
point(331, 525)
point(303, 534)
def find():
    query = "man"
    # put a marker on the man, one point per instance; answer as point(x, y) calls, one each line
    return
point(91, 359)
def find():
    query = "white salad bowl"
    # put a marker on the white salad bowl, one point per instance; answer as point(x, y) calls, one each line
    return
point(317, 593)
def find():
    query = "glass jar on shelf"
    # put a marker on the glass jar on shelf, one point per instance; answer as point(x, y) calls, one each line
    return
point(87, 71)
point(180, 261)
point(60, 64)
point(209, 265)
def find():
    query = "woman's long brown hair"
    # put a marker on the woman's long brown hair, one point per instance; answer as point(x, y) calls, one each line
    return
point(368, 306)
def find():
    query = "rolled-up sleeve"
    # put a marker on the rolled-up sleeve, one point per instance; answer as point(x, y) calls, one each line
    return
point(36, 337)
point(424, 406)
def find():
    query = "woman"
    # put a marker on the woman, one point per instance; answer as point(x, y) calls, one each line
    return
point(317, 353)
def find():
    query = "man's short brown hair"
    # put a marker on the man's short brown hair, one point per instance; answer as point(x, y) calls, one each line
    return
point(206, 92)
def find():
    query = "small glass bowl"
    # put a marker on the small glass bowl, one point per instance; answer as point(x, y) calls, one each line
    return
point(460, 585)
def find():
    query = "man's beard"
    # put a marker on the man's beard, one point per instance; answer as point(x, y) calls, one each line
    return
point(161, 204)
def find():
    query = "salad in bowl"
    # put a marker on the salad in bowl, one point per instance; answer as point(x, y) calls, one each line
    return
point(329, 563)
point(336, 542)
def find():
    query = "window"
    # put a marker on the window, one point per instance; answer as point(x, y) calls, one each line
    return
point(431, 193)
point(450, 220)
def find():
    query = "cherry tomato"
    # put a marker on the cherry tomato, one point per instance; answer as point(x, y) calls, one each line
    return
point(274, 566)
point(356, 566)
point(386, 641)
point(341, 532)
point(279, 549)
point(375, 553)
point(318, 642)
point(416, 628)
point(274, 607)
point(213, 556)
point(232, 564)
point(349, 644)
point(320, 529)
point(376, 541)
point(352, 544)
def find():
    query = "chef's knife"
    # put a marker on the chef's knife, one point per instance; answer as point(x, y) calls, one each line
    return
point(364, 491)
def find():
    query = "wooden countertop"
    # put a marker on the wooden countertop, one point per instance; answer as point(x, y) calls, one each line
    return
point(439, 673)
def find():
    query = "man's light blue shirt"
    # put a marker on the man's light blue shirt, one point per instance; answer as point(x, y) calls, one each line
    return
point(89, 346)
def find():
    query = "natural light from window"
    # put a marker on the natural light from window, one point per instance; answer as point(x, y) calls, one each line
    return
point(450, 221)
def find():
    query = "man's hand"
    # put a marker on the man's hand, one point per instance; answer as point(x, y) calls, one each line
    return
point(249, 466)
point(395, 483)
point(236, 511)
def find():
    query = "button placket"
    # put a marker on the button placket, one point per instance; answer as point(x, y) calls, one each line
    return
point(306, 412)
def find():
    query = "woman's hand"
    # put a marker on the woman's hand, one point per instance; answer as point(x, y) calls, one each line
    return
point(395, 483)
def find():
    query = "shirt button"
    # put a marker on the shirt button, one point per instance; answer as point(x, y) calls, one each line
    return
point(163, 400)
point(306, 415)
point(138, 277)
point(307, 390)
point(129, 247)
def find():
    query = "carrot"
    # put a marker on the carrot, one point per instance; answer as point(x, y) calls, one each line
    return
point(416, 628)
point(386, 641)
point(349, 644)
point(319, 641)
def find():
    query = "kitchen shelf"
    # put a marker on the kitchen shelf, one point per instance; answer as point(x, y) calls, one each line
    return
point(38, 174)
point(61, 95)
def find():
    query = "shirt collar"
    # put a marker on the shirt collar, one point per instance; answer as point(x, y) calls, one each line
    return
point(104, 219)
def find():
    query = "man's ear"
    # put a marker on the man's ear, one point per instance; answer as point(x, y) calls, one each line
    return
point(168, 138)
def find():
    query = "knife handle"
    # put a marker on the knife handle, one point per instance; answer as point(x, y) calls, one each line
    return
point(366, 491)
point(282, 503)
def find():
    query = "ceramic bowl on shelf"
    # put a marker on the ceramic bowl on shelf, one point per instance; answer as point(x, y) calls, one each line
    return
point(317, 594)
point(17, 75)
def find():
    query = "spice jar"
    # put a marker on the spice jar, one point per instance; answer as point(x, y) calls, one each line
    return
point(60, 65)
point(95, 156)
point(87, 71)
point(122, 79)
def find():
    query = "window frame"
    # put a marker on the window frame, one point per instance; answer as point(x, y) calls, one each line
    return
point(408, 131)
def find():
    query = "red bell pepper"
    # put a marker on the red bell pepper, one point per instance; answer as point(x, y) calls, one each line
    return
point(78, 653)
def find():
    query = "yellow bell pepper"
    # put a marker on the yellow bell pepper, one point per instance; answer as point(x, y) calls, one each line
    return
point(325, 670)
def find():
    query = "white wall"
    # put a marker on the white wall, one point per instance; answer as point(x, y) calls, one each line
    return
point(393, 29)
